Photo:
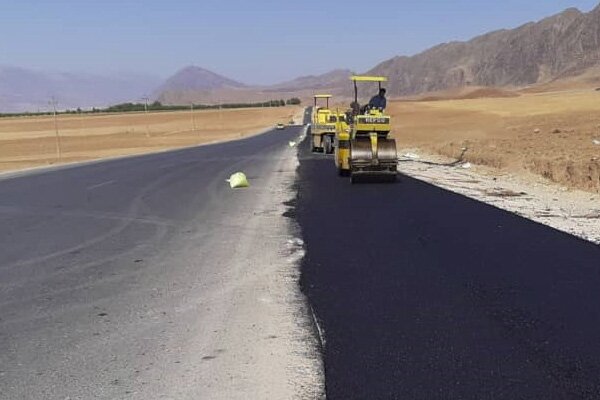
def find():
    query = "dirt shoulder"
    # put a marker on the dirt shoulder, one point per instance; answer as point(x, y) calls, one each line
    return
point(27, 142)
point(553, 135)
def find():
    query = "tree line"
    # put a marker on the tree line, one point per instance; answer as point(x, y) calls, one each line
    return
point(158, 106)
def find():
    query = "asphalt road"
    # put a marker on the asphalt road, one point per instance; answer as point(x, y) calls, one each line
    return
point(425, 294)
point(148, 277)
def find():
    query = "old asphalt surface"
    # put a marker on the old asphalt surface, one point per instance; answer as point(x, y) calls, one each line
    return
point(424, 294)
point(148, 277)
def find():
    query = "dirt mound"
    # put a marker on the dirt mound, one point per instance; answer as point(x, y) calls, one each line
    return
point(433, 98)
point(468, 93)
point(588, 80)
point(488, 93)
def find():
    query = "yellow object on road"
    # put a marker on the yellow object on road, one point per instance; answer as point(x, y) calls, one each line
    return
point(238, 180)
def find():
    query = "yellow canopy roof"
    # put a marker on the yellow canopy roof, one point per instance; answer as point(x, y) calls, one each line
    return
point(369, 78)
point(323, 96)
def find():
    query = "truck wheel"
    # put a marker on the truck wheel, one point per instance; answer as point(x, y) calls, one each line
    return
point(312, 144)
point(327, 145)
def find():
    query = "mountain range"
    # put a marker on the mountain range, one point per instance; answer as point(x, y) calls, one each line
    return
point(28, 90)
point(562, 46)
point(558, 47)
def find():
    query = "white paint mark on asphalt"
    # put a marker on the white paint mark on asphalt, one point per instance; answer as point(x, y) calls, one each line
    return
point(319, 329)
point(100, 185)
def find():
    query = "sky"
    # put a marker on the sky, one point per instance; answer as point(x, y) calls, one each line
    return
point(255, 42)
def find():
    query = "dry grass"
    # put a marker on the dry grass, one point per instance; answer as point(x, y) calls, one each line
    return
point(550, 134)
point(30, 141)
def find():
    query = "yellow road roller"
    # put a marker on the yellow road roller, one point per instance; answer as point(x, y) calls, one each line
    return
point(342, 144)
point(323, 125)
point(363, 149)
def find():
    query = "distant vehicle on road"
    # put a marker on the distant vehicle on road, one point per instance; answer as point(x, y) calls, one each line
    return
point(280, 126)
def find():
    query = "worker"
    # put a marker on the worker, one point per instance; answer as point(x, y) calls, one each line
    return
point(379, 101)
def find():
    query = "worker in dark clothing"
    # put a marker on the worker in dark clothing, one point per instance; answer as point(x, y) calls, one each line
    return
point(379, 101)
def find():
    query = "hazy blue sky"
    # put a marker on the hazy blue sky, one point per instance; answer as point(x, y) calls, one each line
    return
point(253, 41)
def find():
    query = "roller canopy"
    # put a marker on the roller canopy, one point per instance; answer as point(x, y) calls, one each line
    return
point(368, 78)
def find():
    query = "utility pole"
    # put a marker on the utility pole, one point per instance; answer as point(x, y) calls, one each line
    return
point(53, 103)
point(193, 119)
point(80, 113)
point(146, 99)
point(220, 115)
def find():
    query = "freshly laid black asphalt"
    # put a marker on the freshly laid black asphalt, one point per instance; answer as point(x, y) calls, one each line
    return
point(425, 294)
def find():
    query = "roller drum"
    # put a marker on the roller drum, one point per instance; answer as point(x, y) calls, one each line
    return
point(386, 151)
point(368, 167)
point(360, 151)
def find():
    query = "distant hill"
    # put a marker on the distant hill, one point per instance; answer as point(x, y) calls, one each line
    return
point(194, 84)
point(561, 46)
point(329, 80)
point(196, 78)
point(28, 90)
point(191, 84)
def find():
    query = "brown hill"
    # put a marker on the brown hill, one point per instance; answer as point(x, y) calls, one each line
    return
point(564, 45)
point(191, 83)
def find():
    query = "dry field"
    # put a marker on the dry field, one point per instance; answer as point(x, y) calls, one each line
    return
point(550, 134)
point(31, 141)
